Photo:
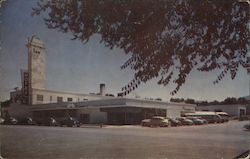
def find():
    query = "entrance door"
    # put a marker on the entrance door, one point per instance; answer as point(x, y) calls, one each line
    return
point(242, 112)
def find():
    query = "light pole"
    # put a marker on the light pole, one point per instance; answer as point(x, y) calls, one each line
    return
point(248, 72)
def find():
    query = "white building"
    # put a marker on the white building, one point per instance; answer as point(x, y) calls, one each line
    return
point(231, 109)
point(113, 110)
point(35, 100)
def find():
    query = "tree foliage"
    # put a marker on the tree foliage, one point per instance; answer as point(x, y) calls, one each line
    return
point(177, 100)
point(226, 101)
point(166, 38)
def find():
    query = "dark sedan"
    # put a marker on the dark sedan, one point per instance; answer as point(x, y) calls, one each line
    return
point(10, 121)
point(70, 122)
point(49, 121)
point(185, 121)
point(174, 122)
point(27, 121)
point(196, 120)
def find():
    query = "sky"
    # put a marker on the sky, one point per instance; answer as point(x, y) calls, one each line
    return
point(76, 67)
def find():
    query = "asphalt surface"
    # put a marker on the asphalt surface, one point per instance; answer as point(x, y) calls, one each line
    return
point(213, 141)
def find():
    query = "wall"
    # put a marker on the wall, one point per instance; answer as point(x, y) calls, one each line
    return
point(54, 94)
point(96, 116)
point(36, 63)
point(232, 110)
point(18, 111)
point(174, 112)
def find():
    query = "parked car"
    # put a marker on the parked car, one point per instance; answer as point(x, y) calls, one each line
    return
point(70, 122)
point(185, 121)
point(10, 121)
point(1, 120)
point(174, 122)
point(48, 121)
point(223, 115)
point(27, 121)
point(219, 119)
point(155, 122)
point(247, 126)
point(211, 117)
point(196, 120)
point(204, 121)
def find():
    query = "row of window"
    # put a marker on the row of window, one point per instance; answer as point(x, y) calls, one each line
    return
point(40, 98)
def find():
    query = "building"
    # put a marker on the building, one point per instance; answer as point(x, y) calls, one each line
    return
point(113, 110)
point(33, 99)
point(232, 109)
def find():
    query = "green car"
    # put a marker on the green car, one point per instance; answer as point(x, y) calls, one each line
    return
point(247, 127)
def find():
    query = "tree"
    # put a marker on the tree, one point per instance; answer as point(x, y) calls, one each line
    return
point(190, 101)
point(111, 95)
point(166, 39)
point(177, 100)
point(5, 103)
point(215, 102)
point(158, 99)
point(230, 100)
point(202, 103)
point(242, 100)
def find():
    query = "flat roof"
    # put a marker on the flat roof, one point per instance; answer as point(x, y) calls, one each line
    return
point(111, 103)
point(79, 94)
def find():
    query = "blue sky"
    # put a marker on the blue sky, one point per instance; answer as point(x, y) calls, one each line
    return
point(76, 67)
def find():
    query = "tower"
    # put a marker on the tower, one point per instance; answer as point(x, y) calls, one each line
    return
point(36, 65)
point(102, 89)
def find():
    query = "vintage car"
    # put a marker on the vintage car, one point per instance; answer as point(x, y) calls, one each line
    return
point(174, 122)
point(47, 121)
point(196, 120)
point(10, 121)
point(27, 121)
point(155, 121)
point(70, 122)
point(185, 121)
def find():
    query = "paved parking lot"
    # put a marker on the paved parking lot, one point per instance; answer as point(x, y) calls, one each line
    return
point(213, 141)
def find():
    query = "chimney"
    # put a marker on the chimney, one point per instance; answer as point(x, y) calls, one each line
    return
point(102, 89)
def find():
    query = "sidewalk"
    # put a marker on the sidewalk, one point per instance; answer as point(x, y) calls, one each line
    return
point(108, 126)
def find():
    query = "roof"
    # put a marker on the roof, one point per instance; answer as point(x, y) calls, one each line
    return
point(79, 94)
point(111, 103)
point(201, 113)
point(36, 41)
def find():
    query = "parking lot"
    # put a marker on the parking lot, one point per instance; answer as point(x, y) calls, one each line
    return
point(206, 141)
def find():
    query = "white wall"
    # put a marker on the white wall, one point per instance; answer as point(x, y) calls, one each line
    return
point(47, 93)
point(232, 110)
point(174, 112)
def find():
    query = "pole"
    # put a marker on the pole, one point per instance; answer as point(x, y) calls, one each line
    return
point(125, 118)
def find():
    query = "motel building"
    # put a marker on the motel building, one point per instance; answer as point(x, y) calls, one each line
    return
point(34, 100)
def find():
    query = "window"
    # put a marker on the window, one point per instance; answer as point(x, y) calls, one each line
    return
point(59, 99)
point(85, 99)
point(37, 51)
point(39, 97)
point(84, 118)
point(50, 98)
point(69, 99)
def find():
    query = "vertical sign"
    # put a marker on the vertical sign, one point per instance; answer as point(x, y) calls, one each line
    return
point(26, 84)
